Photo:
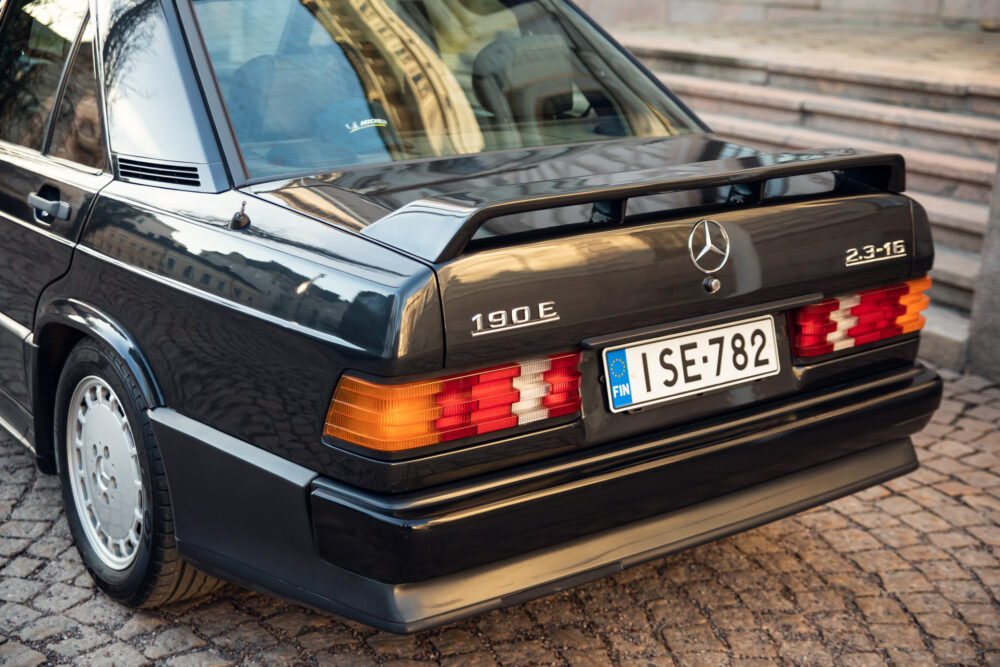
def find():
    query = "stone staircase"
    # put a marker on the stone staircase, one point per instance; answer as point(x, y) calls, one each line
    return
point(949, 133)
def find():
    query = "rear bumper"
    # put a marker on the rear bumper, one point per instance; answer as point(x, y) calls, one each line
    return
point(406, 563)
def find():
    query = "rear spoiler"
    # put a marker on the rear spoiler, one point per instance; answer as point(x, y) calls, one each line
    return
point(438, 228)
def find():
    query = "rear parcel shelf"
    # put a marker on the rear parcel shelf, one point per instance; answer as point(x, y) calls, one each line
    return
point(437, 229)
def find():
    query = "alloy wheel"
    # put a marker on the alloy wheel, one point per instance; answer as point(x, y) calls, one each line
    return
point(104, 472)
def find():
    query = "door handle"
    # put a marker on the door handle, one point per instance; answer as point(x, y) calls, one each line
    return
point(54, 208)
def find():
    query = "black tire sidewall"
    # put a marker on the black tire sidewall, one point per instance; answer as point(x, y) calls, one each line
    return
point(86, 359)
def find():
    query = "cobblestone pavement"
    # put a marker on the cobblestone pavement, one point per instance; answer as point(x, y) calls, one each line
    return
point(905, 573)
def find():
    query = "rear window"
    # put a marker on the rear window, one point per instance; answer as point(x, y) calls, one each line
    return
point(332, 84)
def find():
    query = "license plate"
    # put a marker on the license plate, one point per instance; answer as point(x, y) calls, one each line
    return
point(689, 363)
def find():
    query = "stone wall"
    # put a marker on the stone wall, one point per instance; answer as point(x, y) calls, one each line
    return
point(984, 340)
point(961, 14)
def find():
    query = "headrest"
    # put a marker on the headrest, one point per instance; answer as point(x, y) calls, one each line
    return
point(526, 78)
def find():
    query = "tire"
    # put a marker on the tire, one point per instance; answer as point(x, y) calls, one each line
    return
point(113, 483)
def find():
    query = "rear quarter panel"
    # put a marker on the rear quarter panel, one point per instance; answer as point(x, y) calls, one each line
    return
point(248, 331)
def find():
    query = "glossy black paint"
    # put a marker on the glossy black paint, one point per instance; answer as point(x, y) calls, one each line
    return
point(380, 190)
point(634, 276)
point(35, 250)
point(239, 337)
point(439, 228)
point(284, 308)
point(250, 316)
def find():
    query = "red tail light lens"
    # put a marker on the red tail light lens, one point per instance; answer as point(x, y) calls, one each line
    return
point(392, 418)
point(857, 319)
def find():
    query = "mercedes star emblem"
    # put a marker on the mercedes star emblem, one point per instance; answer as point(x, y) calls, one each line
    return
point(709, 246)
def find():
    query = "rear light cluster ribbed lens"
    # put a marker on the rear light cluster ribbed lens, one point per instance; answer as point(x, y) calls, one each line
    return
point(398, 417)
point(857, 319)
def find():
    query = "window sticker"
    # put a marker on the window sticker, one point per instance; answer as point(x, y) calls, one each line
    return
point(365, 124)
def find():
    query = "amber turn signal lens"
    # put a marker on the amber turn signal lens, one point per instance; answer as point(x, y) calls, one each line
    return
point(399, 417)
point(916, 301)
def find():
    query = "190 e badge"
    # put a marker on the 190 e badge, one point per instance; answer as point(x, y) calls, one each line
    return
point(515, 318)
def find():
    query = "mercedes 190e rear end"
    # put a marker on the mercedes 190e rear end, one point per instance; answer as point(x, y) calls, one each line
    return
point(559, 328)
point(712, 346)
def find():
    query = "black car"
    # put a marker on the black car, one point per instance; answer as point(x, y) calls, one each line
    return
point(412, 309)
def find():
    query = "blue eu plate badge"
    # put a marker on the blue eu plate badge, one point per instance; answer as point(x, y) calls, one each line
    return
point(621, 391)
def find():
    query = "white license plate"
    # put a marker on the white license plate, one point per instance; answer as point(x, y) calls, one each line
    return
point(690, 363)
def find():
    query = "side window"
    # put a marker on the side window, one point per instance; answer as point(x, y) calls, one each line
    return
point(35, 40)
point(77, 134)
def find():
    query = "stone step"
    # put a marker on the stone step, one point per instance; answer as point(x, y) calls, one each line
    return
point(961, 178)
point(957, 224)
point(847, 77)
point(929, 130)
point(962, 223)
point(945, 338)
point(955, 272)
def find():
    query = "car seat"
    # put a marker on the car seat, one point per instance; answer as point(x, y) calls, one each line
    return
point(523, 81)
point(304, 104)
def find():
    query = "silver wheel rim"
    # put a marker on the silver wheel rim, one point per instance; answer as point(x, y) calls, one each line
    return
point(104, 472)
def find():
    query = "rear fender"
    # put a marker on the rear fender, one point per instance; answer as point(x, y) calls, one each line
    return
point(59, 324)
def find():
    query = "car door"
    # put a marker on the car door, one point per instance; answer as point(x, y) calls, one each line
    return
point(53, 161)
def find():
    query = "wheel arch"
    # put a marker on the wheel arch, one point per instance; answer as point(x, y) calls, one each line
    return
point(59, 326)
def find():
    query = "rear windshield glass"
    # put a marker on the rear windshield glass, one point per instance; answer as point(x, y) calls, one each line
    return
point(331, 84)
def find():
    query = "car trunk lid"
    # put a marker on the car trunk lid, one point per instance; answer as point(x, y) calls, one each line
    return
point(560, 260)
point(533, 267)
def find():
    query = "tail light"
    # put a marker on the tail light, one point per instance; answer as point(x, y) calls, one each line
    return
point(857, 319)
point(399, 417)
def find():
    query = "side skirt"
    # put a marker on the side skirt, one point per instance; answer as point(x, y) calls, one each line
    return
point(18, 435)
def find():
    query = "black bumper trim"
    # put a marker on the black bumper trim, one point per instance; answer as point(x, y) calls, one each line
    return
point(407, 608)
point(244, 515)
point(419, 536)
